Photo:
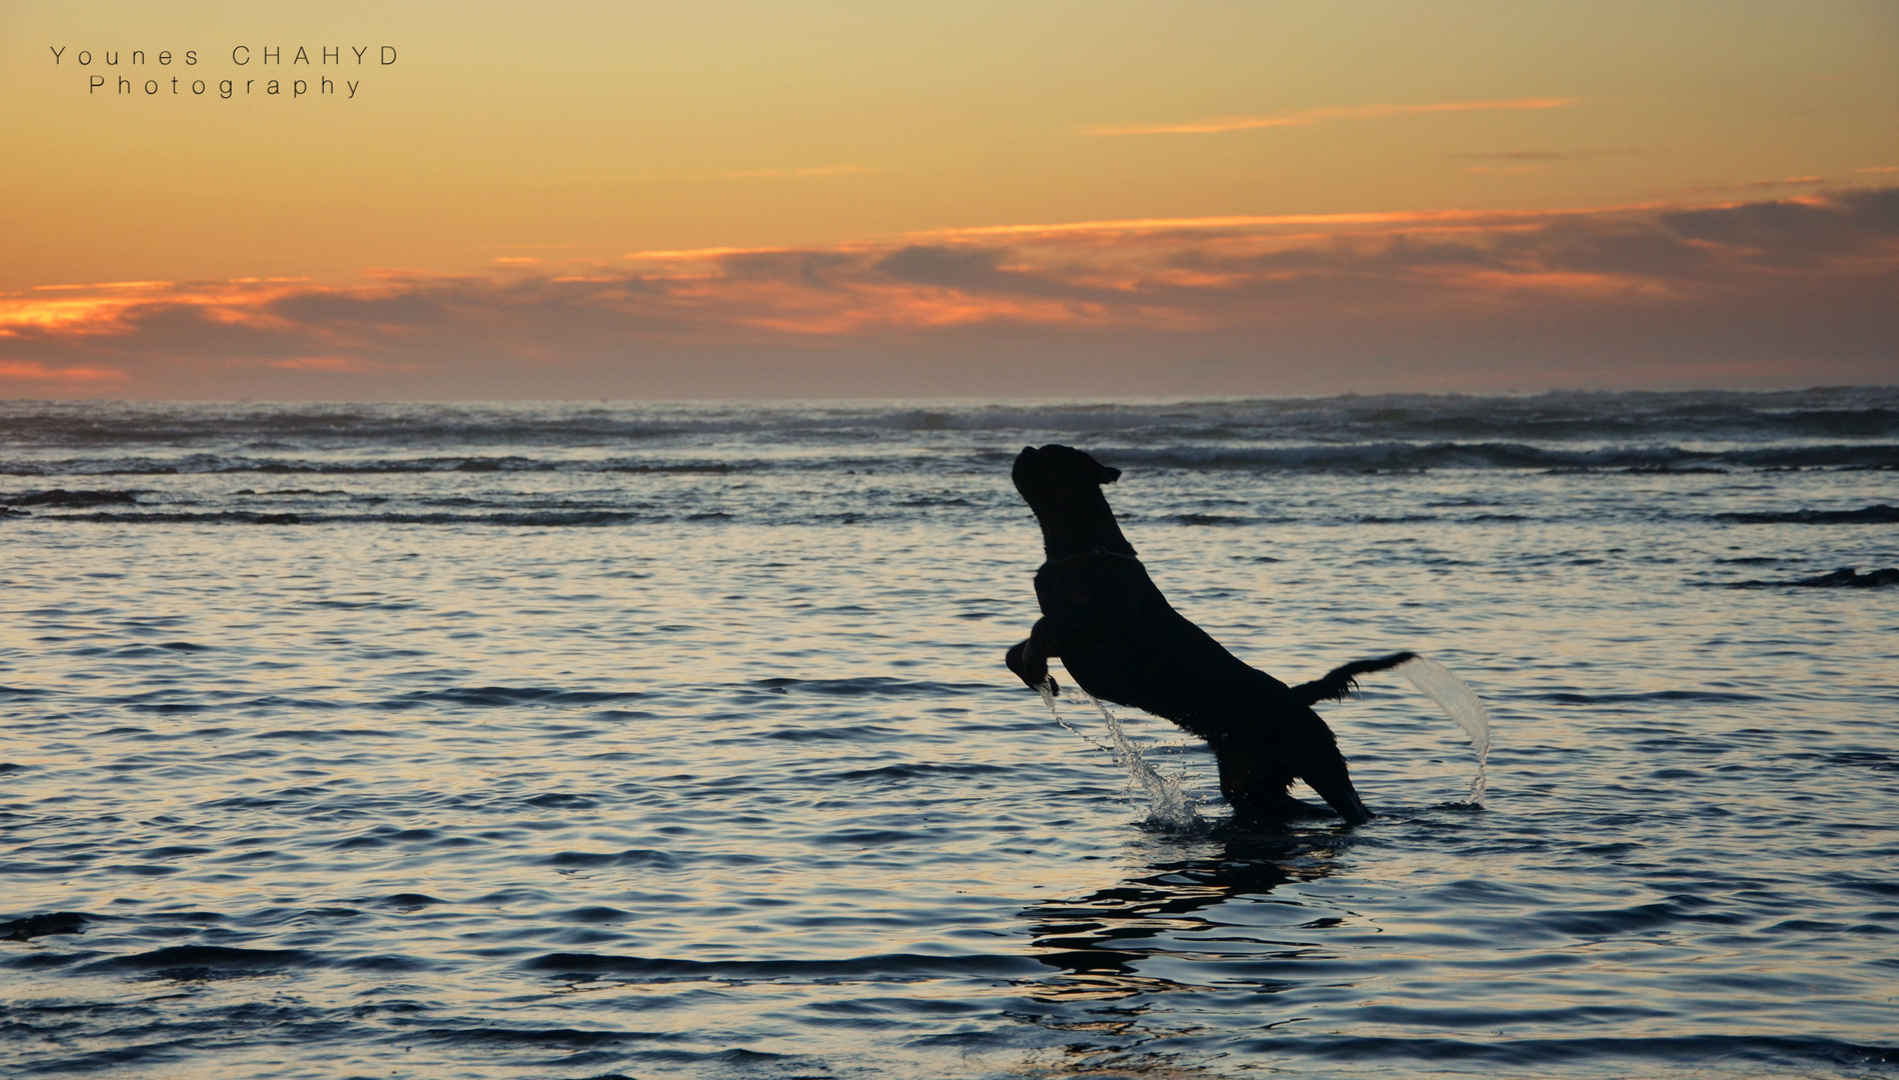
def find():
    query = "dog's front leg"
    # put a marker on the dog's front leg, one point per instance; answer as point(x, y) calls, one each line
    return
point(1029, 658)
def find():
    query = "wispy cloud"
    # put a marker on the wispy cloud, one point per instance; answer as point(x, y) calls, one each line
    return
point(34, 372)
point(798, 174)
point(1539, 155)
point(1757, 185)
point(1257, 222)
point(1518, 155)
point(352, 365)
point(1308, 117)
point(699, 254)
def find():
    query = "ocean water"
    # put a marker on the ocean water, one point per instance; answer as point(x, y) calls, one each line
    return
point(580, 740)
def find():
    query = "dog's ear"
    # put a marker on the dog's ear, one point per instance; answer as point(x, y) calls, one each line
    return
point(1109, 474)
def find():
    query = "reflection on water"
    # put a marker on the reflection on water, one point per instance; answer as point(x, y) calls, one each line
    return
point(1101, 942)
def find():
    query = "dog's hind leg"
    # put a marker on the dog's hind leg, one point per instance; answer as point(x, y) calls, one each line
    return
point(1029, 658)
point(1256, 768)
point(1328, 776)
point(1338, 682)
point(1254, 782)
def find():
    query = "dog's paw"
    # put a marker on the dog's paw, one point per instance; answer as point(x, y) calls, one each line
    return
point(1031, 669)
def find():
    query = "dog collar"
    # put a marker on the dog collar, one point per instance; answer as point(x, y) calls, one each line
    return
point(1088, 554)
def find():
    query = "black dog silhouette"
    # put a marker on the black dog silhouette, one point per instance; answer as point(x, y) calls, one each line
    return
point(1123, 642)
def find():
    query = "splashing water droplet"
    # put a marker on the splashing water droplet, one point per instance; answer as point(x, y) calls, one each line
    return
point(1459, 703)
point(1167, 803)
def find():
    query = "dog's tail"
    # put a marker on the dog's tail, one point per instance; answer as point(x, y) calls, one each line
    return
point(1338, 682)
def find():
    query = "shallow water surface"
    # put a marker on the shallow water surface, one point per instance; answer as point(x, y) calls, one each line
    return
point(564, 741)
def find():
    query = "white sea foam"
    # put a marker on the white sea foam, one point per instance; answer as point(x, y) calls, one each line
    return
point(1459, 703)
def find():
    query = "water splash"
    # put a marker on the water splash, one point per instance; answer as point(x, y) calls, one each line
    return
point(1459, 703)
point(1167, 803)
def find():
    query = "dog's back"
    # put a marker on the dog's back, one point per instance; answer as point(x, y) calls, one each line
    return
point(1124, 642)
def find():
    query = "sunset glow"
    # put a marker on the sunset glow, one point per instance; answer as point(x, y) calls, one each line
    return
point(855, 200)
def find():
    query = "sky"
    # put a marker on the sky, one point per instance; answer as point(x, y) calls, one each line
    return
point(825, 199)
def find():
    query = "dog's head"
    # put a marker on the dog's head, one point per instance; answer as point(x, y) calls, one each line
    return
point(1061, 483)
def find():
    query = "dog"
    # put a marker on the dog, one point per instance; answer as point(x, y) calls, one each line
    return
point(1123, 642)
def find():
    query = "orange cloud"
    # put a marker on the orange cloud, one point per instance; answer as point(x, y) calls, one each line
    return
point(89, 315)
point(1308, 117)
point(31, 371)
point(116, 305)
point(1740, 278)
